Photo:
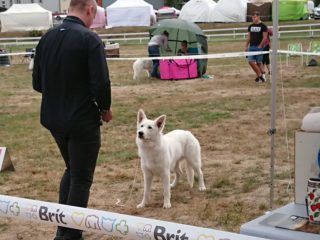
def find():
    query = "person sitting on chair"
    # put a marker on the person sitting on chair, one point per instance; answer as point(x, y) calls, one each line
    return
point(184, 48)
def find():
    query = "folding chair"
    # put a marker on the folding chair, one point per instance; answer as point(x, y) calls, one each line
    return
point(27, 57)
point(314, 47)
point(295, 48)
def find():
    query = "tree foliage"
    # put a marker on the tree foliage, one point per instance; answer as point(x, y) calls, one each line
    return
point(174, 3)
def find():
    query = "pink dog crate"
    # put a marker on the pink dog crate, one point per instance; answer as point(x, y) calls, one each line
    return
point(178, 69)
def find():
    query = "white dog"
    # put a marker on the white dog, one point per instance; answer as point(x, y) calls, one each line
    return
point(161, 154)
point(139, 65)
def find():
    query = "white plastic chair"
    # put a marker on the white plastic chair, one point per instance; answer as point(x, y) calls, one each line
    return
point(314, 47)
point(295, 48)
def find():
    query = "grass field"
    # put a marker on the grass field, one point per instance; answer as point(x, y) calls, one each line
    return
point(229, 114)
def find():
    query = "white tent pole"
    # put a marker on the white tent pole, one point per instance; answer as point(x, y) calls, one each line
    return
point(272, 131)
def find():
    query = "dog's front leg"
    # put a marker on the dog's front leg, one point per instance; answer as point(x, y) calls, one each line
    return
point(166, 190)
point(147, 176)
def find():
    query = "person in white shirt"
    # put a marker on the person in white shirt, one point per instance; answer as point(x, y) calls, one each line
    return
point(154, 45)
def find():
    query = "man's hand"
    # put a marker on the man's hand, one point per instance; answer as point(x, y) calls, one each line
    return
point(107, 115)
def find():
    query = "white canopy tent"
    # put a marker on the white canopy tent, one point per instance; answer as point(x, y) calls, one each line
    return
point(25, 17)
point(310, 7)
point(130, 13)
point(198, 11)
point(230, 11)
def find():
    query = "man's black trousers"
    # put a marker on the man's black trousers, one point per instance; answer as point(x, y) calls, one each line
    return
point(80, 152)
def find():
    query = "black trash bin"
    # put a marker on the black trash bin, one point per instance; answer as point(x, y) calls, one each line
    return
point(4, 60)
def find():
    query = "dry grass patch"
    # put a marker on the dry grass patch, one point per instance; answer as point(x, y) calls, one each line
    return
point(229, 114)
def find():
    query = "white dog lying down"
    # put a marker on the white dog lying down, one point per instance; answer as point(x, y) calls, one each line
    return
point(139, 65)
point(161, 154)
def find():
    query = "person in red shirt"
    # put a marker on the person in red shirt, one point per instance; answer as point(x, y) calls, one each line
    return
point(266, 58)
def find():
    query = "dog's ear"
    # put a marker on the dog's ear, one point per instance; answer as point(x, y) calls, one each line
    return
point(160, 121)
point(140, 116)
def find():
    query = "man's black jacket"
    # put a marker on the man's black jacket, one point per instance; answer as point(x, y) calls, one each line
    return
point(71, 72)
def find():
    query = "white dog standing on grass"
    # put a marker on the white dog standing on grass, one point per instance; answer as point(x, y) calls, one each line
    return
point(139, 66)
point(161, 154)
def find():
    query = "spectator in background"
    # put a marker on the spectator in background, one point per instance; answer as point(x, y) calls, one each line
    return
point(256, 39)
point(154, 45)
point(266, 58)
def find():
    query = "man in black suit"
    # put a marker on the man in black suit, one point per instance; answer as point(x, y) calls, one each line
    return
point(71, 72)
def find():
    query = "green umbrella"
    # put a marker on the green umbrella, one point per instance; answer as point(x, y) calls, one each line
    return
point(174, 25)
point(181, 30)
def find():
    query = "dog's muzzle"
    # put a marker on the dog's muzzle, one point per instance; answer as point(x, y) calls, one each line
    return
point(140, 134)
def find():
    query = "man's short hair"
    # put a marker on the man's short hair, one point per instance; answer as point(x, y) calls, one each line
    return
point(256, 13)
point(80, 3)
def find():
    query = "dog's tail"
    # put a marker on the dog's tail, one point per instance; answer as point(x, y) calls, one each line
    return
point(190, 174)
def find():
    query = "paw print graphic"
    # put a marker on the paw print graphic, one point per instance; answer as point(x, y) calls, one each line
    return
point(15, 209)
point(122, 227)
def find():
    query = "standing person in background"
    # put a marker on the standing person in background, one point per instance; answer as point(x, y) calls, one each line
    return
point(71, 72)
point(256, 39)
point(266, 58)
point(154, 45)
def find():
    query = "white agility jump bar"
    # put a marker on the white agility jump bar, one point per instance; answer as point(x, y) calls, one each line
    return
point(196, 56)
point(216, 55)
point(109, 223)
